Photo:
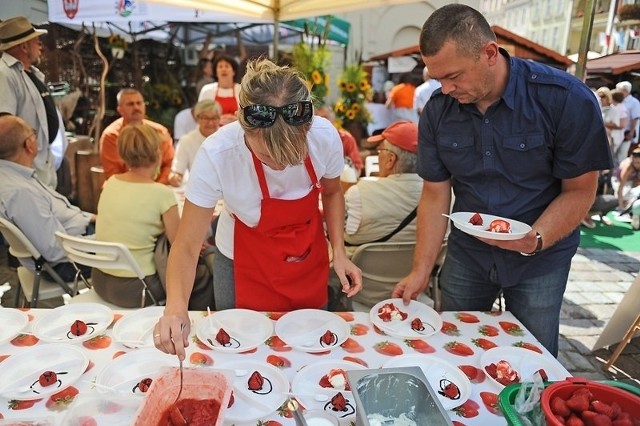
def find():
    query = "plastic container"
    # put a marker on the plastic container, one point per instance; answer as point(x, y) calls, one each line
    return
point(508, 396)
point(601, 391)
point(199, 383)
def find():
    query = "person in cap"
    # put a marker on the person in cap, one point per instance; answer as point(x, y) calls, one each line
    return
point(632, 104)
point(513, 138)
point(23, 91)
point(383, 208)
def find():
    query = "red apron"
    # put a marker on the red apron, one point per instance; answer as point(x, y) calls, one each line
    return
point(282, 264)
point(229, 104)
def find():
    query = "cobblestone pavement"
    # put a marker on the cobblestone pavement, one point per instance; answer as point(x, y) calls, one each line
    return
point(598, 280)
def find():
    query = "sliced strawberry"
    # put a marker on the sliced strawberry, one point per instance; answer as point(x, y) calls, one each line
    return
point(338, 402)
point(144, 384)
point(223, 337)
point(476, 219)
point(416, 324)
point(328, 338)
point(78, 328)
point(47, 378)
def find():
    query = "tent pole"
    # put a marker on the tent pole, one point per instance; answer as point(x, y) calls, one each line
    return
point(276, 29)
point(585, 38)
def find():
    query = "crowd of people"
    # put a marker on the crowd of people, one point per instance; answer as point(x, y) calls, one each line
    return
point(506, 136)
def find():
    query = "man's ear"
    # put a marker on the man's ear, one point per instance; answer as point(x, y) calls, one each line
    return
point(492, 52)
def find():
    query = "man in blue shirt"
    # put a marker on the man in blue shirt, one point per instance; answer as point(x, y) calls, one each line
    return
point(512, 138)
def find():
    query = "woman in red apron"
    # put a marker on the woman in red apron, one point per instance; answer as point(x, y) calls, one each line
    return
point(225, 90)
point(270, 168)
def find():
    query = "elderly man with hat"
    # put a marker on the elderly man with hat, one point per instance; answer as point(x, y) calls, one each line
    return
point(384, 208)
point(23, 92)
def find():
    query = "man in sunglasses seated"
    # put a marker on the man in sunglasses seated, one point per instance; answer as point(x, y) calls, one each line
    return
point(269, 167)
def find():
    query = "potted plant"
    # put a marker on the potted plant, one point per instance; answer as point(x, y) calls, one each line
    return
point(355, 91)
point(118, 46)
point(313, 63)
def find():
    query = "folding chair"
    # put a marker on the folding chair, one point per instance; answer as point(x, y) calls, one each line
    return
point(382, 265)
point(103, 255)
point(371, 165)
point(32, 283)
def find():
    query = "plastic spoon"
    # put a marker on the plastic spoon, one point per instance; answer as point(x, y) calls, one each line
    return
point(174, 412)
point(320, 397)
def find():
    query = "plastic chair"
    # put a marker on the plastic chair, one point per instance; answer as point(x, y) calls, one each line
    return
point(32, 283)
point(103, 255)
point(371, 165)
point(382, 265)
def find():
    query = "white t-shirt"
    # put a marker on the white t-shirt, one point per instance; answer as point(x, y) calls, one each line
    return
point(183, 123)
point(223, 169)
point(186, 150)
point(210, 90)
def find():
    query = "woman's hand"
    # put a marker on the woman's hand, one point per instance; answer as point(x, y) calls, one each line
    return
point(171, 333)
point(349, 274)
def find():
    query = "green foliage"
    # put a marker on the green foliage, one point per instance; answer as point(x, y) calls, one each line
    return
point(313, 64)
point(163, 102)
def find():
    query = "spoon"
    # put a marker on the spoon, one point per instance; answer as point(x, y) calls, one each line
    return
point(320, 397)
point(251, 398)
point(174, 412)
point(107, 388)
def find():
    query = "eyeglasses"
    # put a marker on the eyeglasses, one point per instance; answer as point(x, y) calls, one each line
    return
point(262, 116)
point(32, 135)
point(385, 149)
point(207, 118)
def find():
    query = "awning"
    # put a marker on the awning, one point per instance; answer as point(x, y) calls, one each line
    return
point(615, 64)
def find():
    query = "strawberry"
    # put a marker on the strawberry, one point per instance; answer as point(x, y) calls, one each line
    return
point(457, 423)
point(624, 419)
point(574, 420)
point(199, 343)
point(87, 421)
point(488, 330)
point(588, 416)
point(278, 361)
point(578, 403)
point(255, 381)
point(223, 337)
point(60, 401)
point(378, 330)
point(347, 316)
point(352, 346)
point(499, 225)
point(602, 408)
point(476, 219)
point(528, 345)
point(47, 378)
point(356, 360)
point(232, 399)
point(559, 419)
point(24, 340)
point(450, 329)
point(458, 348)
point(467, 317)
point(602, 420)
point(416, 324)
point(277, 344)
point(559, 406)
point(269, 423)
point(448, 389)
point(275, 315)
point(3, 357)
point(490, 401)
point(328, 338)
point(467, 410)
point(483, 343)
point(324, 382)
point(200, 359)
point(78, 328)
point(14, 404)
point(144, 384)
point(543, 374)
point(511, 328)
point(338, 402)
point(616, 410)
point(420, 345)
point(359, 329)
point(388, 348)
point(98, 342)
point(474, 374)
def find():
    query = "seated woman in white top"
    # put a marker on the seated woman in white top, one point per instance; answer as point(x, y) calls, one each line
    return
point(135, 210)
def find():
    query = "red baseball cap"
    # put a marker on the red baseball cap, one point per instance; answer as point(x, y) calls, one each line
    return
point(403, 134)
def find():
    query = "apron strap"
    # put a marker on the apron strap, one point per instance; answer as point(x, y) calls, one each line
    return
point(262, 180)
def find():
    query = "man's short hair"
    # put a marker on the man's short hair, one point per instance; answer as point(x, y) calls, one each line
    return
point(624, 85)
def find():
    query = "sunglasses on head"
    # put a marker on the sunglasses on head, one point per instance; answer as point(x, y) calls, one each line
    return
point(295, 114)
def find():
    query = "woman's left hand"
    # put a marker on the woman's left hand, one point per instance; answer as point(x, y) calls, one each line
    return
point(349, 274)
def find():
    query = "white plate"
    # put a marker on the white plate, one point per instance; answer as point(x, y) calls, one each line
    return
point(55, 325)
point(524, 361)
point(101, 410)
point(20, 372)
point(431, 320)
point(247, 329)
point(249, 406)
point(135, 329)
point(306, 383)
point(439, 373)
point(461, 221)
point(123, 373)
point(303, 330)
point(13, 322)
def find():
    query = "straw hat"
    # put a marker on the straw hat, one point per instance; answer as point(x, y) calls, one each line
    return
point(17, 30)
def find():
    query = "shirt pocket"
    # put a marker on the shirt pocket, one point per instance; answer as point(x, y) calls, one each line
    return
point(458, 154)
point(526, 153)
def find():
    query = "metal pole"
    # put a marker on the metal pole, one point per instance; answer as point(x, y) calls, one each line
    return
point(585, 38)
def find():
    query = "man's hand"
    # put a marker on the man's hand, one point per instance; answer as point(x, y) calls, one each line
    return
point(410, 287)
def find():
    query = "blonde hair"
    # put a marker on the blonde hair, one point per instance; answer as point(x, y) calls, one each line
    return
point(139, 145)
point(207, 105)
point(604, 91)
point(266, 83)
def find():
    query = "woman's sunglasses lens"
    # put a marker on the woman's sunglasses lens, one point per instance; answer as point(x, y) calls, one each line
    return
point(260, 115)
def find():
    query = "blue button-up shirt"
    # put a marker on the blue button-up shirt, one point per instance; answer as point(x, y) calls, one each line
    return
point(511, 160)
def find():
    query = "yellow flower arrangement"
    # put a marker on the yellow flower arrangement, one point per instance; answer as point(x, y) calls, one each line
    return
point(355, 90)
point(117, 42)
point(312, 63)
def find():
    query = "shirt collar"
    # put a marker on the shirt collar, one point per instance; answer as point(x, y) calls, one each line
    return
point(509, 94)
point(26, 172)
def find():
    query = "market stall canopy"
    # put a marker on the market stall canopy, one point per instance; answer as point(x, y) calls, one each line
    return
point(615, 64)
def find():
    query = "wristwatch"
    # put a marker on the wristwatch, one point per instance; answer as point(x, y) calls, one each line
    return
point(538, 248)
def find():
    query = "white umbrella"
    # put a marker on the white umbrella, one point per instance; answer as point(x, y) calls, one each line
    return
point(280, 10)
